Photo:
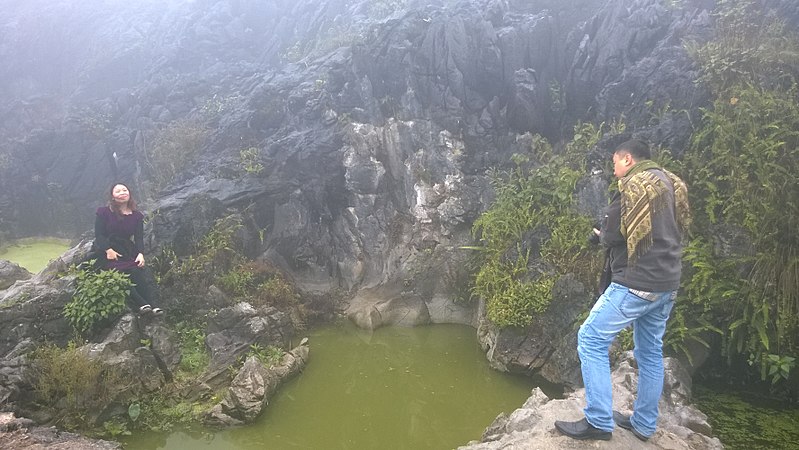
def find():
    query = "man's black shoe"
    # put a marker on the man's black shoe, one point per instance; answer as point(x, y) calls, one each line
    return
point(624, 422)
point(582, 430)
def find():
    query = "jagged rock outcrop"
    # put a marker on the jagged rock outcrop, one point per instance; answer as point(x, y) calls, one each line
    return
point(250, 390)
point(680, 425)
point(141, 348)
point(234, 329)
point(548, 346)
point(374, 126)
point(10, 273)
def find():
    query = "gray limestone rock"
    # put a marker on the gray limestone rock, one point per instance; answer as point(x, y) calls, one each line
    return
point(144, 353)
point(548, 346)
point(232, 330)
point(253, 385)
point(10, 272)
point(680, 425)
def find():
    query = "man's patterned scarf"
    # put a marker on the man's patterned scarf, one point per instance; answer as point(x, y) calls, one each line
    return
point(643, 194)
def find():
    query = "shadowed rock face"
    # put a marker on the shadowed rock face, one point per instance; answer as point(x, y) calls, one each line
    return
point(374, 127)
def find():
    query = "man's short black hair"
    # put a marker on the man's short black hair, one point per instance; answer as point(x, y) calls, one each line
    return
point(637, 148)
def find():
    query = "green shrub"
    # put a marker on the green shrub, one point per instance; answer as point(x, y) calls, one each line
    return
point(238, 282)
point(99, 297)
point(268, 356)
point(249, 160)
point(260, 284)
point(69, 380)
point(195, 357)
point(276, 291)
point(215, 253)
point(749, 46)
point(536, 195)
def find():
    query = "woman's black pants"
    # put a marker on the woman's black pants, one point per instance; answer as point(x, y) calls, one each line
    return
point(143, 293)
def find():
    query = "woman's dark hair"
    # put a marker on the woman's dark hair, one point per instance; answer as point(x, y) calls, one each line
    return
point(639, 149)
point(113, 205)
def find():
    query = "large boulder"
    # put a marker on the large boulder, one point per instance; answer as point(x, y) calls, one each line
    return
point(373, 309)
point(10, 273)
point(33, 308)
point(531, 427)
point(14, 377)
point(145, 353)
point(233, 330)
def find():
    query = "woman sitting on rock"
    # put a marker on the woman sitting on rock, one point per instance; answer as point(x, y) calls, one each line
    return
point(114, 227)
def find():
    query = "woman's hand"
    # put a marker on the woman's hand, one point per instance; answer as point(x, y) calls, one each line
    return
point(140, 260)
point(112, 254)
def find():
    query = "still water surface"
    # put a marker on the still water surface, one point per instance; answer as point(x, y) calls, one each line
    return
point(34, 253)
point(394, 388)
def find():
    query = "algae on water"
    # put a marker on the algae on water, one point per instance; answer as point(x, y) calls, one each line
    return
point(743, 423)
point(34, 253)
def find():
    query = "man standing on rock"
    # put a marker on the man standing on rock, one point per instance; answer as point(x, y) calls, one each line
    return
point(643, 230)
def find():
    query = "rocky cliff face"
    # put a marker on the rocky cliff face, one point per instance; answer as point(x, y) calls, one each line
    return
point(369, 124)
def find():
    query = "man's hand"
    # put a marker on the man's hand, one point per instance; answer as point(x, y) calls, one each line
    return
point(593, 238)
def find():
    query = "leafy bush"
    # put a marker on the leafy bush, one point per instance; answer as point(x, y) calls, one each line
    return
point(276, 291)
point(99, 296)
point(260, 284)
point(238, 282)
point(215, 253)
point(749, 47)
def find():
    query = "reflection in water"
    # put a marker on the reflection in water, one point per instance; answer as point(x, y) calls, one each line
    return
point(395, 388)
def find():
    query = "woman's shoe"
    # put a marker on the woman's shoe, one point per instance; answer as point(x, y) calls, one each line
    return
point(158, 311)
point(144, 309)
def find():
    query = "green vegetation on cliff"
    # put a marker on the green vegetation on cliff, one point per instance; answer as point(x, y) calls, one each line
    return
point(741, 277)
point(535, 207)
point(742, 165)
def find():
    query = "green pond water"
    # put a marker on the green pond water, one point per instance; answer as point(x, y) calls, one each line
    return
point(394, 388)
point(34, 253)
point(748, 420)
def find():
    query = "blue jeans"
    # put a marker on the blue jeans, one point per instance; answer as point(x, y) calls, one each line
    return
point(615, 309)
